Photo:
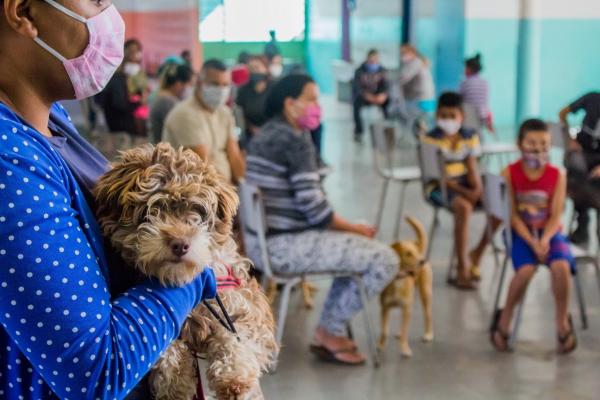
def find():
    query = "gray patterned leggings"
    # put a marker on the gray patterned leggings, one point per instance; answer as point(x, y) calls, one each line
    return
point(331, 251)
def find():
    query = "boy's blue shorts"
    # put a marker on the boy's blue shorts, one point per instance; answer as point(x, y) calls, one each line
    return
point(522, 254)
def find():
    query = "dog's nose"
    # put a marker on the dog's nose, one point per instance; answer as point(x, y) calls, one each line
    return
point(180, 247)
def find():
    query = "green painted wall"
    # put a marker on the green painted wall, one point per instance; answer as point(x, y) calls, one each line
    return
point(294, 51)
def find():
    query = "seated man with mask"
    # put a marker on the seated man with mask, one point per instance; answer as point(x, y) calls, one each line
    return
point(205, 124)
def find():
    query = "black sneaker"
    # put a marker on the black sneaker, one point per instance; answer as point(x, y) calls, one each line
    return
point(580, 235)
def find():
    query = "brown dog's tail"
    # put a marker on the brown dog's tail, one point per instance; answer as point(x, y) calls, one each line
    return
point(421, 235)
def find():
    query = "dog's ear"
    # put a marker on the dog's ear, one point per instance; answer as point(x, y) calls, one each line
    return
point(114, 189)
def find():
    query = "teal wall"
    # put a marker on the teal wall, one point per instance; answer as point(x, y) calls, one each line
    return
point(229, 51)
point(569, 64)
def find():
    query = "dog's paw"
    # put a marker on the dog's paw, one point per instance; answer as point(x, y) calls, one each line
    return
point(428, 337)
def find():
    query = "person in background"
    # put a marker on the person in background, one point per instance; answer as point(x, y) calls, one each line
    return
point(137, 85)
point(537, 193)
point(240, 73)
point(583, 162)
point(272, 48)
point(175, 79)
point(416, 81)
point(461, 148)
point(115, 100)
point(65, 330)
point(205, 124)
point(475, 92)
point(305, 235)
point(186, 55)
point(370, 88)
point(251, 98)
point(275, 62)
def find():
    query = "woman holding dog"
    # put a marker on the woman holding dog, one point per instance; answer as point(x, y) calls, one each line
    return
point(305, 234)
point(62, 334)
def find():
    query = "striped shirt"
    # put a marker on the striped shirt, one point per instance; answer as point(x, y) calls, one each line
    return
point(475, 92)
point(282, 163)
point(455, 153)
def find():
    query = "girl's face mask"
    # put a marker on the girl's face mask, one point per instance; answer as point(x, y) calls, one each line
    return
point(91, 72)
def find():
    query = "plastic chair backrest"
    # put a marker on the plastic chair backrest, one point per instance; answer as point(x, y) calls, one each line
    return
point(383, 139)
point(471, 119)
point(431, 163)
point(496, 202)
point(253, 222)
point(559, 134)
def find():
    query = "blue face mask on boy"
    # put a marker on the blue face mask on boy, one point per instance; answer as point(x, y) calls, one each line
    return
point(372, 68)
point(535, 159)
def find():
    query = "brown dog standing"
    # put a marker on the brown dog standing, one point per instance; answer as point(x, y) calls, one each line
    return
point(414, 271)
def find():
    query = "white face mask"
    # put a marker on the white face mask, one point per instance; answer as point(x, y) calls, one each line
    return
point(131, 69)
point(276, 70)
point(215, 96)
point(449, 126)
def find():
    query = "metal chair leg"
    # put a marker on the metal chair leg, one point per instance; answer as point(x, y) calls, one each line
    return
point(452, 265)
point(400, 210)
point(513, 337)
point(500, 286)
point(580, 299)
point(283, 307)
point(597, 268)
point(382, 199)
point(432, 231)
point(368, 326)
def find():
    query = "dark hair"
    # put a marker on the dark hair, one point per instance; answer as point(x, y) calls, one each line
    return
point(132, 42)
point(372, 52)
point(243, 57)
point(174, 73)
point(213, 63)
point(450, 99)
point(288, 86)
point(186, 53)
point(530, 125)
point(474, 63)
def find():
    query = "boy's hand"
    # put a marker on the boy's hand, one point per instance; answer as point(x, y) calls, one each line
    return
point(541, 250)
point(595, 172)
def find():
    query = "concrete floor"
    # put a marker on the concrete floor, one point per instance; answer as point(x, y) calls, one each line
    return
point(460, 364)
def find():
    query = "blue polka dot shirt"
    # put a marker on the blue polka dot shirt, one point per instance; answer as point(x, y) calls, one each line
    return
point(61, 334)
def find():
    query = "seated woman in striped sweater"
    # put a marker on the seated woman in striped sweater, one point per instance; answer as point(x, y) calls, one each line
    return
point(304, 233)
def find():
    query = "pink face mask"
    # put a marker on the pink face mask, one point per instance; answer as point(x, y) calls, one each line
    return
point(311, 119)
point(91, 72)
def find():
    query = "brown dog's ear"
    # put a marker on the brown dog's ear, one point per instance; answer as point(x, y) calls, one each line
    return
point(114, 187)
point(228, 202)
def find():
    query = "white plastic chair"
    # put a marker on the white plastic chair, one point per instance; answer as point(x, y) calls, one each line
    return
point(497, 204)
point(254, 228)
point(384, 140)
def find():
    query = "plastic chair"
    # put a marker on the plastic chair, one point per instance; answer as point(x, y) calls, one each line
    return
point(497, 204)
point(383, 138)
point(254, 228)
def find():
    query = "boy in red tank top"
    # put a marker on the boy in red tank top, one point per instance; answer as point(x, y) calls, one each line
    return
point(537, 194)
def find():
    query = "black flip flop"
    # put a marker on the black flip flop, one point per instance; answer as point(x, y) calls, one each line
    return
point(327, 355)
point(465, 286)
point(563, 339)
point(495, 329)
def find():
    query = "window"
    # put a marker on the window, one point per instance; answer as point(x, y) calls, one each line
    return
point(251, 20)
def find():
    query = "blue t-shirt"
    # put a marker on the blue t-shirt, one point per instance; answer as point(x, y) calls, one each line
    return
point(62, 335)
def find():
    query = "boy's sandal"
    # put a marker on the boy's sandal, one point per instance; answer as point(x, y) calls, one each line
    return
point(330, 356)
point(466, 285)
point(496, 332)
point(563, 340)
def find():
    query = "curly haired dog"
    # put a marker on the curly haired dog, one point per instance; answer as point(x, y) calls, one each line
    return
point(170, 214)
point(415, 270)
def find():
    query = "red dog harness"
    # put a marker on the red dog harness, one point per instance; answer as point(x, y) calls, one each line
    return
point(228, 281)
